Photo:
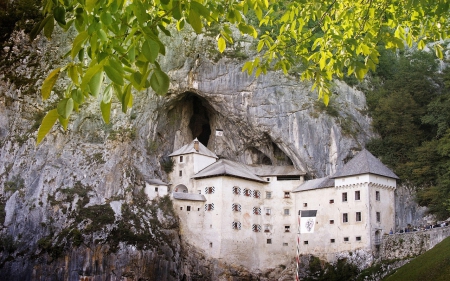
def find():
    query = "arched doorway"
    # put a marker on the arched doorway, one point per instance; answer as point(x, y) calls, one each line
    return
point(180, 188)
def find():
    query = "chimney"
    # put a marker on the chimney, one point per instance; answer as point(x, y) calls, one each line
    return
point(196, 145)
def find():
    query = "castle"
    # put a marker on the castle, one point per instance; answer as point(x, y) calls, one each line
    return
point(249, 215)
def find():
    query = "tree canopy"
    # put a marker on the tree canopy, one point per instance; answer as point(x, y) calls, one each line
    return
point(329, 38)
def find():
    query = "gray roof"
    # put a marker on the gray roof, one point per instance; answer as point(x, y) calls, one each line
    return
point(225, 167)
point(189, 196)
point(189, 148)
point(154, 181)
point(266, 170)
point(315, 184)
point(364, 163)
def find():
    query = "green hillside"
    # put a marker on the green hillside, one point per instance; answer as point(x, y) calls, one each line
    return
point(433, 265)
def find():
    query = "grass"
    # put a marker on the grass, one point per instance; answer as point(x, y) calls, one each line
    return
point(433, 265)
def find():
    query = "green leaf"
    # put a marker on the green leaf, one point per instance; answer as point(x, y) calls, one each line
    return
point(176, 9)
point(78, 43)
point(150, 49)
point(64, 122)
point(127, 100)
point(438, 50)
point(195, 21)
point(49, 82)
point(106, 111)
point(38, 27)
point(221, 44)
point(90, 73)
point(48, 28)
point(77, 96)
point(106, 18)
point(95, 83)
point(47, 124)
point(60, 14)
point(160, 82)
point(90, 4)
point(65, 107)
point(107, 94)
point(113, 74)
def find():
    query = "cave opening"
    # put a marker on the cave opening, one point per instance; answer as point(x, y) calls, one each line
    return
point(199, 122)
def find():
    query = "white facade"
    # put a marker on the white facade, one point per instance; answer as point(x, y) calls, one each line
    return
point(252, 221)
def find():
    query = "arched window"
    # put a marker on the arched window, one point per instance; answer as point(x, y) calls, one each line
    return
point(247, 192)
point(236, 190)
point(236, 225)
point(256, 228)
point(209, 207)
point(209, 190)
point(256, 194)
point(236, 207)
point(256, 211)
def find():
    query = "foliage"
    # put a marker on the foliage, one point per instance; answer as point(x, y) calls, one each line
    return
point(410, 106)
point(432, 265)
point(167, 164)
point(323, 271)
point(325, 36)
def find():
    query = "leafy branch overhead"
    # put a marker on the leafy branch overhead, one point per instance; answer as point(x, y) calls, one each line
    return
point(118, 44)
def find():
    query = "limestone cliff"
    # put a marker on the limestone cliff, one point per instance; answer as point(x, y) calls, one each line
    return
point(72, 207)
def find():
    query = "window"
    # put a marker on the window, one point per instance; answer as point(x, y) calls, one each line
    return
point(236, 190)
point(210, 244)
point(181, 208)
point(331, 221)
point(358, 216)
point(344, 196)
point(256, 211)
point(256, 228)
point(305, 242)
point(188, 208)
point(285, 244)
point(198, 209)
point(268, 194)
point(305, 204)
point(344, 217)
point(180, 173)
point(378, 217)
point(331, 201)
point(236, 207)
point(236, 225)
point(256, 194)
point(357, 195)
point(181, 159)
point(358, 238)
point(268, 211)
point(247, 192)
point(332, 240)
point(269, 241)
point(377, 195)
point(345, 239)
point(287, 228)
point(267, 228)
point(286, 212)
point(287, 195)
point(156, 189)
point(267, 179)
point(209, 207)
point(199, 191)
point(209, 190)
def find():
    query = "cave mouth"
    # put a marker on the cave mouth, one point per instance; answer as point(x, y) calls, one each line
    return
point(199, 124)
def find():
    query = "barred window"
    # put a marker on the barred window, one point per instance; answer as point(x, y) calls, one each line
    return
point(236, 207)
point(357, 195)
point(247, 192)
point(209, 190)
point(358, 216)
point(236, 225)
point(256, 211)
point(267, 228)
point(256, 194)
point(344, 217)
point(256, 228)
point(268, 194)
point(287, 195)
point(209, 207)
point(268, 211)
point(287, 228)
point(236, 190)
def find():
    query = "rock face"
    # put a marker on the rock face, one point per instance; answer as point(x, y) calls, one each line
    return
point(72, 207)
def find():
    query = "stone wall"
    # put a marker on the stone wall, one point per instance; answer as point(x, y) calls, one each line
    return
point(404, 245)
